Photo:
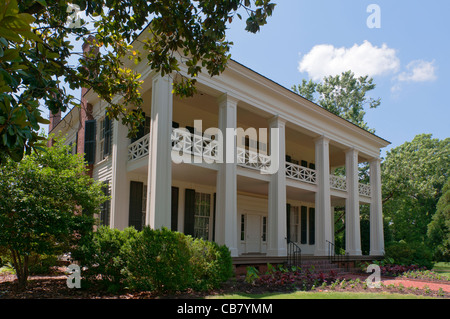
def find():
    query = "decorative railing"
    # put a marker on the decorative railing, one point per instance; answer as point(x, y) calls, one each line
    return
point(194, 144)
point(253, 160)
point(294, 254)
point(338, 182)
point(139, 149)
point(301, 173)
point(364, 189)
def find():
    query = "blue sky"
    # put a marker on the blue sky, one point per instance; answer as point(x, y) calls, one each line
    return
point(408, 56)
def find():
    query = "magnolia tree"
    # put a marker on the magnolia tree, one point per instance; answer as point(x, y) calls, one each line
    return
point(37, 54)
point(47, 205)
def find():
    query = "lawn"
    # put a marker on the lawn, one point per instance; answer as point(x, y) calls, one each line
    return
point(322, 295)
point(442, 268)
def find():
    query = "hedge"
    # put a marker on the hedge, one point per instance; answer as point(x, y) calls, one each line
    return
point(153, 260)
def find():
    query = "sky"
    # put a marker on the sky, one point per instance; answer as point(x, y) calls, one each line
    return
point(403, 45)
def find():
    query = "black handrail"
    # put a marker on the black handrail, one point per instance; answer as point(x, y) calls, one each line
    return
point(294, 254)
point(336, 258)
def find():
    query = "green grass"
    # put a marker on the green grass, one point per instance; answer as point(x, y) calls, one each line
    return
point(321, 295)
point(442, 268)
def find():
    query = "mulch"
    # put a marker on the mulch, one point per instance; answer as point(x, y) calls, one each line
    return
point(55, 287)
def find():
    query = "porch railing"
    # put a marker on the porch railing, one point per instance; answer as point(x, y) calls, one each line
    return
point(338, 182)
point(139, 149)
point(294, 254)
point(301, 173)
point(253, 160)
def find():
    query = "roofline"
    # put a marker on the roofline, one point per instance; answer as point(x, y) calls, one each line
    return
point(314, 103)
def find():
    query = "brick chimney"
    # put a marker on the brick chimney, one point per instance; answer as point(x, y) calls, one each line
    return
point(54, 120)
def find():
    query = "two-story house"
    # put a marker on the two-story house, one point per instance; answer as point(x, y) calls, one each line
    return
point(237, 202)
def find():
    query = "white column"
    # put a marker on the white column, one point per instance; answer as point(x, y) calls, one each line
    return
point(323, 197)
point(226, 191)
point(276, 245)
point(120, 187)
point(376, 210)
point(160, 161)
point(352, 220)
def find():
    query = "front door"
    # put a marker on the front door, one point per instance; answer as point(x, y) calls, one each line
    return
point(253, 240)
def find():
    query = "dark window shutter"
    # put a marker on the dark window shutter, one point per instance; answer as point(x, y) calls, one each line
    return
point(304, 221)
point(89, 141)
point(106, 206)
point(174, 208)
point(135, 212)
point(288, 222)
point(312, 226)
point(108, 136)
point(312, 166)
point(189, 212)
point(304, 163)
point(214, 217)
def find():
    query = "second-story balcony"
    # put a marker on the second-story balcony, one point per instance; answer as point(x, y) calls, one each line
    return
point(208, 149)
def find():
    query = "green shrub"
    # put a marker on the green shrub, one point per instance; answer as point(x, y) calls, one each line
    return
point(159, 261)
point(211, 264)
point(410, 254)
point(104, 256)
point(152, 260)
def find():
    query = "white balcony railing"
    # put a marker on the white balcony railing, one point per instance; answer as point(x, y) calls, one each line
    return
point(194, 144)
point(203, 146)
point(139, 149)
point(301, 173)
point(364, 189)
point(253, 160)
point(338, 182)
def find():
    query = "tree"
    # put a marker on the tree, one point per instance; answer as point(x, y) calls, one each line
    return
point(439, 227)
point(414, 175)
point(36, 47)
point(47, 205)
point(343, 95)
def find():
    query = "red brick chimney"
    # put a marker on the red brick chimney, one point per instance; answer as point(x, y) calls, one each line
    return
point(54, 120)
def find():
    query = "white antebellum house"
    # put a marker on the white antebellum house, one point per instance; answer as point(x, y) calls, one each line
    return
point(236, 203)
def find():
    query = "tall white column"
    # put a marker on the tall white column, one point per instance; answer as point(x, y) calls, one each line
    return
point(120, 187)
point(276, 245)
point(226, 191)
point(352, 220)
point(323, 197)
point(160, 161)
point(376, 210)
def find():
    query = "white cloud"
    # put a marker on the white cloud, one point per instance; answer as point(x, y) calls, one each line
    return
point(364, 59)
point(418, 71)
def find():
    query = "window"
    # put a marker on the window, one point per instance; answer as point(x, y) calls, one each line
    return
point(89, 141)
point(105, 137)
point(264, 229)
point(202, 215)
point(105, 207)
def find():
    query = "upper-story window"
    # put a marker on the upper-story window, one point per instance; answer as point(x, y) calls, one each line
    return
point(105, 137)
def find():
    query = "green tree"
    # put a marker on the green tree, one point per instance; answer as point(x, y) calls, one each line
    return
point(37, 51)
point(47, 205)
point(439, 227)
point(414, 175)
point(344, 95)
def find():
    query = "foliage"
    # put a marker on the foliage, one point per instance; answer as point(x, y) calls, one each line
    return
point(414, 253)
point(425, 274)
point(413, 175)
point(48, 203)
point(152, 260)
point(295, 278)
point(37, 54)
point(343, 95)
point(439, 227)
point(104, 254)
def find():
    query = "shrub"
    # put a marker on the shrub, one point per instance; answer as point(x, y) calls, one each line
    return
point(211, 263)
point(159, 261)
point(410, 254)
point(104, 256)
